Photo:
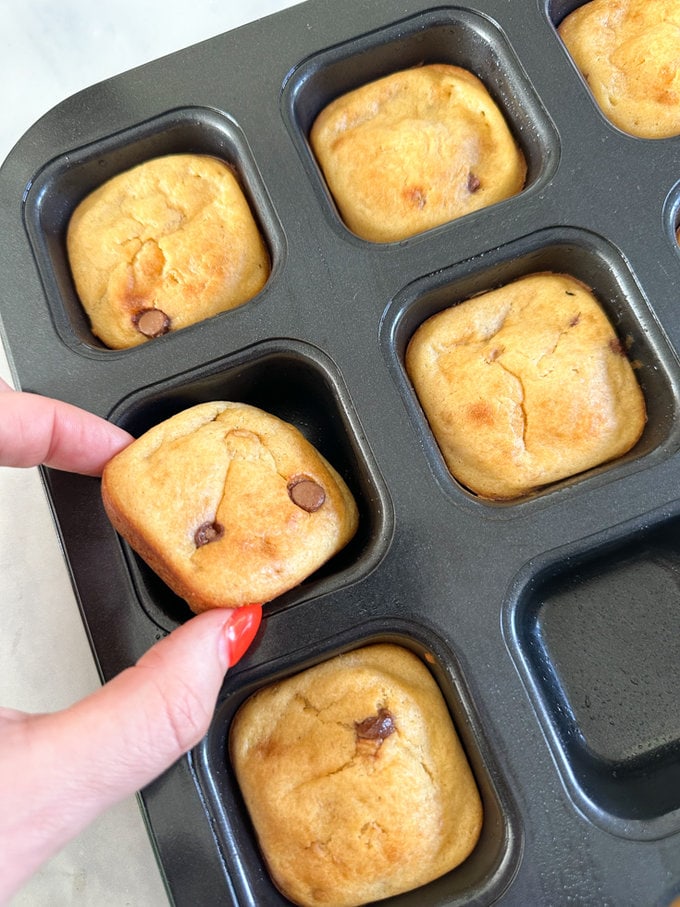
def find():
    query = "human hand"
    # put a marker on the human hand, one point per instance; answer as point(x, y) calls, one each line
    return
point(59, 771)
point(37, 430)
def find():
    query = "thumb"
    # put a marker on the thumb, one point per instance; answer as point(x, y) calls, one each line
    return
point(151, 714)
point(59, 771)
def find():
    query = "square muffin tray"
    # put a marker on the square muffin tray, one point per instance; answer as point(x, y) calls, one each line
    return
point(552, 624)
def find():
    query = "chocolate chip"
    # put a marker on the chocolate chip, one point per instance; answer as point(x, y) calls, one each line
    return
point(306, 493)
point(494, 353)
point(376, 727)
point(152, 322)
point(616, 346)
point(208, 532)
point(473, 182)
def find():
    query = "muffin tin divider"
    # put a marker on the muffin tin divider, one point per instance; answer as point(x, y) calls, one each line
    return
point(615, 753)
point(191, 864)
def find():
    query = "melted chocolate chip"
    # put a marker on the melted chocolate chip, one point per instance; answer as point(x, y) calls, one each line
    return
point(152, 322)
point(493, 354)
point(473, 182)
point(208, 532)
point(376, 727)
point(616, 346)
point(306, 493)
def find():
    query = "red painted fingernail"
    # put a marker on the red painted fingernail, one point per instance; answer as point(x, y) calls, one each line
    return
point(241, 630)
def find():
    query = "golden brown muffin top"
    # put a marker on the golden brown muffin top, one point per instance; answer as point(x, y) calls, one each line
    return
point(163, 245)
point(414, 150)
point(525, 385)
point(355, 779)
point(628, 51)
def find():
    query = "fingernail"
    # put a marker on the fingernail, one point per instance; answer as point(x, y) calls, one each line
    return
point(240, 631)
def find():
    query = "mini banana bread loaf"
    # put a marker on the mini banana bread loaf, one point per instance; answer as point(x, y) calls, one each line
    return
point(525, 385)
point(355, 779)
point(161, 246)
point(628, 51)
point(229, 504)
point(414, 150)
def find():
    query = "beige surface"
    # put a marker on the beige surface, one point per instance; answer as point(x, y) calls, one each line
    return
point(46, 54)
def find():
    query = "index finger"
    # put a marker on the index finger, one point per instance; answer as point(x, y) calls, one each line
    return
point(38, 430)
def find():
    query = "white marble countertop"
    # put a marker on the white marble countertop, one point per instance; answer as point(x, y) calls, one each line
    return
point(47, 52)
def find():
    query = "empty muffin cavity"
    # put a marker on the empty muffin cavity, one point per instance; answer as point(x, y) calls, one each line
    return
point(597, 641)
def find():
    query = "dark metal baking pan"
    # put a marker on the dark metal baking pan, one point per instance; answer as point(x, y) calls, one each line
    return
point(550, 623)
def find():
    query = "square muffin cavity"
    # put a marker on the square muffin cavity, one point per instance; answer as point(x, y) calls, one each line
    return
point(596, 634)
point(626, 53)
point(525, 385)
point(296, 384)
point(357, 742)
point(445, 58)
point(633, 340)
point(91, 243)
point(355, 779)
